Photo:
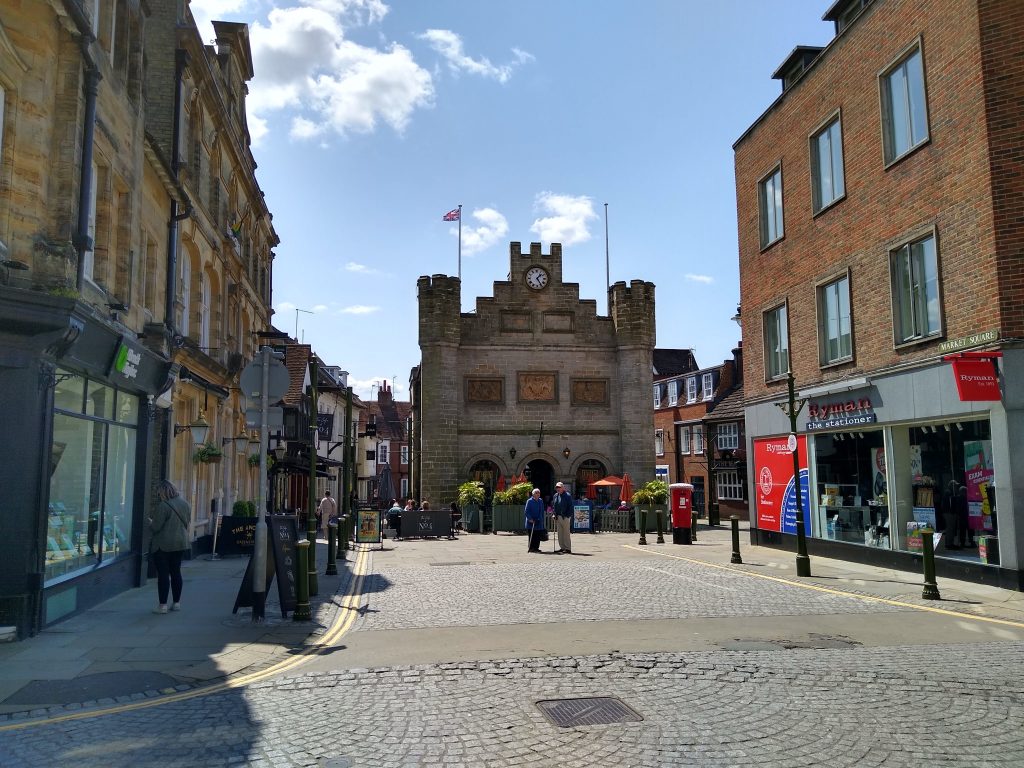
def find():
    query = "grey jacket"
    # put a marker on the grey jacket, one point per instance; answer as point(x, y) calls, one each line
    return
point(169, 525)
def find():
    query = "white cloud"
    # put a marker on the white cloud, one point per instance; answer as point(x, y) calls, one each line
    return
point(320, 308)
point(449, 45)
point(285, 306)
point(358, 309)
point(205, 11)
point(699, 278)
point(492, 228)
point(361, 269)
point(304, 64)
point(566, 219)
point(367, 388)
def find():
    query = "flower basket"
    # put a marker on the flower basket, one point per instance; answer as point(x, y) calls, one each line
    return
point(207, 453)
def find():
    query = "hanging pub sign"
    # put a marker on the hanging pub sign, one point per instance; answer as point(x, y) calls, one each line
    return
point(976, 376)
point(846, 413)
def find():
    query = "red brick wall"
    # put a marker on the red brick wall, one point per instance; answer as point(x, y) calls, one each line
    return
point(945, 184)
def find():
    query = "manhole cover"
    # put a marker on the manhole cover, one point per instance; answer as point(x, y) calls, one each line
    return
point(569, 713)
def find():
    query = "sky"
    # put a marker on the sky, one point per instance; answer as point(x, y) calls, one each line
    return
point(370, 120)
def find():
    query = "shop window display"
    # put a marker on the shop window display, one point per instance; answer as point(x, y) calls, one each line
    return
point(852, 489)
point(92, 477)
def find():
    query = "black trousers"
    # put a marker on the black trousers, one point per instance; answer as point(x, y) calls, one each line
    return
point(168, 575)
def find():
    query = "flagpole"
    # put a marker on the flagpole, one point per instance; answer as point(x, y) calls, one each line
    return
point(460, 242)
point(607, 268)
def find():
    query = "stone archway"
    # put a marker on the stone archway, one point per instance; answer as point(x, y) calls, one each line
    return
point(541, 475)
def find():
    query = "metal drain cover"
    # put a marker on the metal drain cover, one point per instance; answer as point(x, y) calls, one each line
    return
point(602, 710)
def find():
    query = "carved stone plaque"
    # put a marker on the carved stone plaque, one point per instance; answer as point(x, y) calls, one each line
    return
point(515, 321)
point(484, 390)
point(589, 391)
point(538, 387)
point(558, 322)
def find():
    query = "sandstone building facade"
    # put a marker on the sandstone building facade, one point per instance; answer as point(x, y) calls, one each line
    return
point(533, 382)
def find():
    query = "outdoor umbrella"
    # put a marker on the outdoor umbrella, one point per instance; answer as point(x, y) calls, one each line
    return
point(385, 486)
point(501, 483)
point(626, 494)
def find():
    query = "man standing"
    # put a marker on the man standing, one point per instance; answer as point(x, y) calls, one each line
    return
point(563, 507)
point(327, 511)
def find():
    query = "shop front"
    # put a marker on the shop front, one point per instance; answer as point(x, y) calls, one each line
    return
point(886, 460)
point(77, 405)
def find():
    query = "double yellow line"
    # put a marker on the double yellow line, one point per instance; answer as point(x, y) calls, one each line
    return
point(830, 591)
point(347, 614)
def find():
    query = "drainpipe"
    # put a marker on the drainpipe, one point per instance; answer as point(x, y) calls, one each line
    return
point(80, 239)
point(180, 62)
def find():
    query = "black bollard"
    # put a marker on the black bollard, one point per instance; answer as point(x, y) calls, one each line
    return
point(332, 562)
point(931, 589)
point(302, 611)
point(661, 526)
point(693, 526)
point(643, 527)
point(735, 522)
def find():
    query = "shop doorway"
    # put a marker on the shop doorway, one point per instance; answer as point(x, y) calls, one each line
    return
point(588, 472)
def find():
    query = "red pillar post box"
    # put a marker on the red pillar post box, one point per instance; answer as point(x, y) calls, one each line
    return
point(681, 501)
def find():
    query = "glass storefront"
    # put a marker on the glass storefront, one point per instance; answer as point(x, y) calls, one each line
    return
point(938, 477)
point(92, 476)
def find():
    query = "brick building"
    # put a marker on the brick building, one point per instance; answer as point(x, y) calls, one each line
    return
point(533, 382)
point(110, 344)
point(388, 445)
point(693, 413)
point(879, 205)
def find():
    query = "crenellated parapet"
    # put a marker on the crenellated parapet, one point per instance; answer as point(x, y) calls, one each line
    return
point(440, 304)
point(632, 312)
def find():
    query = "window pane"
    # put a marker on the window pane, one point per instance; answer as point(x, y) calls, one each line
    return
point(76, 462)
point(836, 146)
point(100, 401)
point(928, 281)
point(845, 335)
point(826, 194)
point(127, 408)
point(67, 394)
point(899, 130)
point(915, 92)
point(118, 493)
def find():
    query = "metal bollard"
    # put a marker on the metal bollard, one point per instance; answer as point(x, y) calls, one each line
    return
point(735, 522)
point(332, 562)
point(931, 589)
point(302, 611)
point(342, 536)
point(643, 527)
point(313, 577)
point(693, 526)
point(661, 526)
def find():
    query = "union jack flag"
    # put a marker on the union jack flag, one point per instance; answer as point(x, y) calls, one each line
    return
point(452, 215)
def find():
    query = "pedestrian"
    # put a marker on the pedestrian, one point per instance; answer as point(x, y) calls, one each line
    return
point(326, 512)
point(395, 518)
point(456, 519)
point(168, 541)
point(563, 507)
point(535, 521)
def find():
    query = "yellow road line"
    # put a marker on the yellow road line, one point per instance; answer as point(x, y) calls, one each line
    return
point(831, 591)
point(347, 615)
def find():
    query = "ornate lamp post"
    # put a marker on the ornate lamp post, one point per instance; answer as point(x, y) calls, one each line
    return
point(792, 409)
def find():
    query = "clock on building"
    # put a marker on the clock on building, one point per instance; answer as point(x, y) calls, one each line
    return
point(536, 277)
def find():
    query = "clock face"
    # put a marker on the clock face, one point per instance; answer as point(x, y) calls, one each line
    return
point(536, 277)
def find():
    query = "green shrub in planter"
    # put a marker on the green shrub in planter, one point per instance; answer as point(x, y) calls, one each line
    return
point(654, 492)
point(515, 494)
point(471, 493)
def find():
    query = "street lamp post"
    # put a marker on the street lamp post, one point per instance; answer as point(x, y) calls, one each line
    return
point(792, 409)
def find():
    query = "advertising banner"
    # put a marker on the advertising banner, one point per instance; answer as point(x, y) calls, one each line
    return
point(775, 486)
point(976, 379)
point(581, 517)
point(368, 526)
point(978, 472)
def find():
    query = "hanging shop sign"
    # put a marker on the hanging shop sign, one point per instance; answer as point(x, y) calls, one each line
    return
point(776, 486)
point(975, 375)
point(127, 359)
point(846, 413)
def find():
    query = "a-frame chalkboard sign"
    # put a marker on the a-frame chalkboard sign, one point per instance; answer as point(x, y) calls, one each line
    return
point(281, 561)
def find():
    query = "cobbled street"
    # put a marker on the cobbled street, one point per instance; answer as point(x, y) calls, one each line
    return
point(457, 642)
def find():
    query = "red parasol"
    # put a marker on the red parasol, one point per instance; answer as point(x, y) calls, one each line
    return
point(501, 483)
point(626, 494)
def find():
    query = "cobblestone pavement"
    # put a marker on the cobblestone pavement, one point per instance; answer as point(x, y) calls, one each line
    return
point(958, 704)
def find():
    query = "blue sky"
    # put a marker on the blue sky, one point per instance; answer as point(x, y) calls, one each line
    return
point(370, 120)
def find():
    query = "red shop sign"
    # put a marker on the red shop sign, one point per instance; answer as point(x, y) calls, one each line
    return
point(976, 377)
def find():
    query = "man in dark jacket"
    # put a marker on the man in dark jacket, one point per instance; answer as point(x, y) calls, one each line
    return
point(563, 507)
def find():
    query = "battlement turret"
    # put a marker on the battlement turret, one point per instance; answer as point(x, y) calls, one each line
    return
point(440, 305)
point(632, 312)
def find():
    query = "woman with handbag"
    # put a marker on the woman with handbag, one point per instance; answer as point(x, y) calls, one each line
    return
point(535, 521)
point(169, 529)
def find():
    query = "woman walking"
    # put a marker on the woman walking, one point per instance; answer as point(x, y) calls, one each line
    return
point(169, 529)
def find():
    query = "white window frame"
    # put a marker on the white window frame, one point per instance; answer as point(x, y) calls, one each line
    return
point(404, 456)
point(707, 384)
point(828, 179)
point(697, 444)
point(835, 321)
point(657, 396)
point(684, 439)
point(661, 472)
point(775, 326)
point(383, 452)
point(905, 78)
point(923, 319)
point(727, 435)
point(673, 392)
point(659, 442)
point(691, 389)
point(770, 207)
point(728, 485)
point(404, 485)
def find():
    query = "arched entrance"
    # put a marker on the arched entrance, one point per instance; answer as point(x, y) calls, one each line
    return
point(588, 472)
point(541, 475)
